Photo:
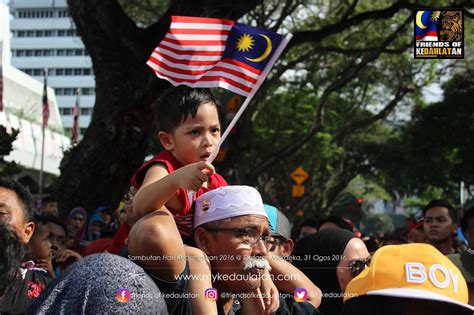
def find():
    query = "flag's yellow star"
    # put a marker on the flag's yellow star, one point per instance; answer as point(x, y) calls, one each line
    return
point(245, 42)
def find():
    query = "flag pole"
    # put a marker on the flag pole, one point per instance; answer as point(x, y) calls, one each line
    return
point(45, 94)
point(252, 93)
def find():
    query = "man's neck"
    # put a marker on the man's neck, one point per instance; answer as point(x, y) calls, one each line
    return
point(445, 247)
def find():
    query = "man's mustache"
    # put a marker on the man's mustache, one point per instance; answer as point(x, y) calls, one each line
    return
point(260, 263)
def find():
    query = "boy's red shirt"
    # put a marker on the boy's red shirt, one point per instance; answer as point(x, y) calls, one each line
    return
point(184, 218)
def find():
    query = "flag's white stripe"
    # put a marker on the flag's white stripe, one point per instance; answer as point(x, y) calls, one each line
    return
point(199, 76)
point(196, 37)
point(181, 66)
point(162, 49)
point(197, 26)
point(206, 84)
point(428, 38)
point(238, 69)
point(190, 47)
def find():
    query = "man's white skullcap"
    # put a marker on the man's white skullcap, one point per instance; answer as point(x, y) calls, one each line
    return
point(227, 202)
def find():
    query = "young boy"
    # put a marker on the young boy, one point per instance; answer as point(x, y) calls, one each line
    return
point(189, 129)
point(40, 247)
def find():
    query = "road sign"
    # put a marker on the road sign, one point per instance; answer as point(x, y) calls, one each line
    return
point(299, 175)
point(297, 191)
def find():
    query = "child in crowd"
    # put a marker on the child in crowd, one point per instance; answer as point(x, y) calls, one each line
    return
point(40, 254)
point(189, 130)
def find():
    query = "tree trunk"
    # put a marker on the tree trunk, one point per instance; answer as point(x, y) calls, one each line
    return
point(98, 170)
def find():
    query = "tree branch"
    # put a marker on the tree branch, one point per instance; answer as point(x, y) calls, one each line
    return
point(347, 75)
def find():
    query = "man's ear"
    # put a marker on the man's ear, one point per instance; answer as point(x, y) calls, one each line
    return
point(288, 246)
point(27, 232)
point(202, 239)
point(166, 140)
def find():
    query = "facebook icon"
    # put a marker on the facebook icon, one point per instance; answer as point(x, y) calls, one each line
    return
point(123, 295)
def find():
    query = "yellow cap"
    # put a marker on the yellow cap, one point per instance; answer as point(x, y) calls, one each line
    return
point(417, 271)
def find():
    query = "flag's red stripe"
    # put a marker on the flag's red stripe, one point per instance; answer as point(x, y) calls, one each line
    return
point(199, 72)
point(184, 42)
point(236, 73)
point(192, 19)
point(430, 33)
point(241, 65)
point(191, 52)
point(197, 31)
point(186, 61)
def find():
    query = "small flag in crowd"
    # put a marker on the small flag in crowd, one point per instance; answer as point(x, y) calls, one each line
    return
point(426, 28)
point(208, 52)
point(45, 100)
point(75, 117)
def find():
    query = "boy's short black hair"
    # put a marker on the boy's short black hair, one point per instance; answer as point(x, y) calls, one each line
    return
point(47, 199)
point(22, 194)
point(467, 221)
point(441, 203)
point(53, 219)
point(177, 103)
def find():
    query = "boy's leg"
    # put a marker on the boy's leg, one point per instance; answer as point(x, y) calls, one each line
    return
point(199, 267)
point(156, 244)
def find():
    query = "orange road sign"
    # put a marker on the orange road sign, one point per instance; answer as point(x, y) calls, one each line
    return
point(299, 175)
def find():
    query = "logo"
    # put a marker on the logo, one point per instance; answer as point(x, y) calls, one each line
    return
point(205, 204)
point(123, 295)
point(301, 294)
point(439, 34)
point(210, 294)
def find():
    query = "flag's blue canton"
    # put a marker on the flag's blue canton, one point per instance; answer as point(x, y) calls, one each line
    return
point(258, 55)
point(431, 28)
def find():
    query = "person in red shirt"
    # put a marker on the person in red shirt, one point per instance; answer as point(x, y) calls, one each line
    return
point(189, 130)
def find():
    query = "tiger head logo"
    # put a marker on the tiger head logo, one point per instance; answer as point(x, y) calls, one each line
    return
point(451, 26)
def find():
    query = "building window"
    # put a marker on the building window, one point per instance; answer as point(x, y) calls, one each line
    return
point(66, 111)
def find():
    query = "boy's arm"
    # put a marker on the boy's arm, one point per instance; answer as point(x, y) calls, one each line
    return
point(159, 186)
point(297, 279)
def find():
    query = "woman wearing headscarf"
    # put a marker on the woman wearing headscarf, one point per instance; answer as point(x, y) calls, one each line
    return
point(77, 228)
point(330, 259)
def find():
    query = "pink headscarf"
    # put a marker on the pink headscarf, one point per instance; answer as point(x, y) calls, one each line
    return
point(81, 235)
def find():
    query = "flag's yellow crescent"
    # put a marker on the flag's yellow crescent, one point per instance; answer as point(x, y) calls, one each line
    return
point(418, 20)
point(267, 51)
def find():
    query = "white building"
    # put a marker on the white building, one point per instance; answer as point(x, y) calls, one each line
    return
point(22, 109)
point(44, 36)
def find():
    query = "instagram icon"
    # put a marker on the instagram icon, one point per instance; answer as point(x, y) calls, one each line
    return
point(210, 294)
point(300, 294)
point(123, 295)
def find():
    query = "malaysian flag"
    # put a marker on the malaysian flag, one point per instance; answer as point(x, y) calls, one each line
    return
point(45, 100)
point(426, 28)
point(75, 118)
point(208, 52)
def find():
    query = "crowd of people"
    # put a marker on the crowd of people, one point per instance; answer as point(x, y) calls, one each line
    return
point(183, 241)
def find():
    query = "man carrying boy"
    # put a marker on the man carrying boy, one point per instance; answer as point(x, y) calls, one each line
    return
point(231, 227)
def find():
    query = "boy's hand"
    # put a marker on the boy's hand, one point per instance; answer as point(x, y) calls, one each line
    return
point(193, 176)
point(46, 264)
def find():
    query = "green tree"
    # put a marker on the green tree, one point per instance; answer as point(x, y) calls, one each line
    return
point(6, 146)
point(348, 66)
point(437, 146)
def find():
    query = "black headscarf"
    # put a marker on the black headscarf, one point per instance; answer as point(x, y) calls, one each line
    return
point(317, 257)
